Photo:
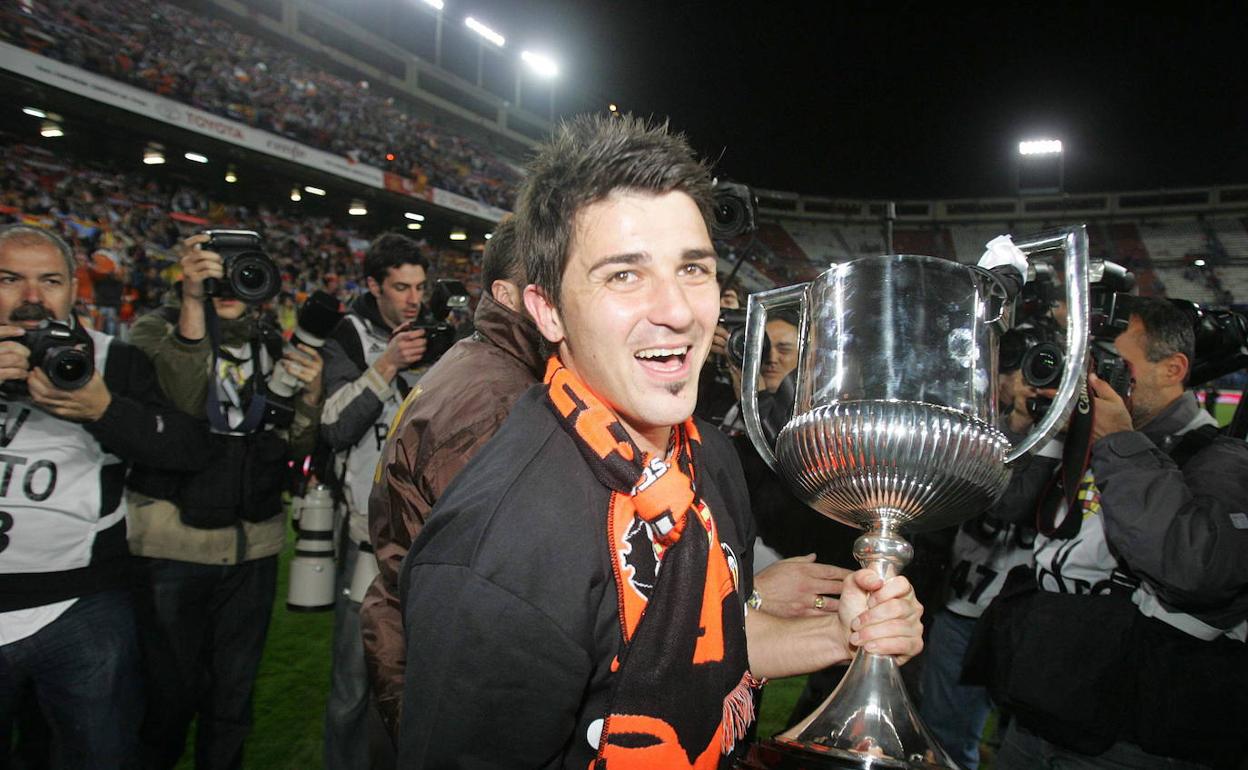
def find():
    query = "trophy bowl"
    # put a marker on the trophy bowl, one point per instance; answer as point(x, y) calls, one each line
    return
point(922, 464)
point(893, 429)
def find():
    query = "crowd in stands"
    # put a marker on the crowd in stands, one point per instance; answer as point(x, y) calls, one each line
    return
point(124, 226)
point(209, 64)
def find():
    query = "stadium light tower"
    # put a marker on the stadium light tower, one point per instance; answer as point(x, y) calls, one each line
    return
point(487, 34)
point(1040, 166)
point(437, 6)
point(544, 67)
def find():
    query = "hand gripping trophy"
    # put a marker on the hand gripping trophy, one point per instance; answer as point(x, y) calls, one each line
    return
point(893, 428)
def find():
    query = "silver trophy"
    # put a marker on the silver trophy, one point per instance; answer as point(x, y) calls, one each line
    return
point(894, 428)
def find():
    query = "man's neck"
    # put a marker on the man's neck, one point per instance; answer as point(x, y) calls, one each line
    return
point(653, 442)
point(1165, 419)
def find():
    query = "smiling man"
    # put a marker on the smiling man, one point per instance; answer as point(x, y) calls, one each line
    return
point(578, 594)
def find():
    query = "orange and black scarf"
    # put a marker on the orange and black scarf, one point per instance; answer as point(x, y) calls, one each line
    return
point(682, 696)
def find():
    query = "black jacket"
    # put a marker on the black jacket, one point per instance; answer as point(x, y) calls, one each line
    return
point(510, 604)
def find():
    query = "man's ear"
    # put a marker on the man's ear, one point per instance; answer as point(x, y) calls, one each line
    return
point(373, 286)
point(508, 295)
point(544, 314)
point(1176, 369)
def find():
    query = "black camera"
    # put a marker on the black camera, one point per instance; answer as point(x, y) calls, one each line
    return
point(448, 294)
point(1043, 362)
point(1042, 366)
point(735, 210)
point(1221, 341)
point(250, 275)
point(64, 352)
point(733, 319)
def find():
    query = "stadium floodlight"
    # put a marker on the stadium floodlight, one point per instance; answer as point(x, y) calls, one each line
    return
point(436, 5)
point(543, 65)
point(196, 157)
point(50, 130)
point(485, 32)
point(458, 234)
point(295, 195)
point(34, 112)
point(1199, 263)
point(414, 216)
point(357, 209)
point(153, 155)
point(1040, 147)
point(230, 175)
point(414, 225)
point(313, 190)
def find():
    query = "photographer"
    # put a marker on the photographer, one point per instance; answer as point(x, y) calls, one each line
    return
point(369, 362)
point(463, 400)
point(67, 628)
point(1126, 645)
point(210, 539)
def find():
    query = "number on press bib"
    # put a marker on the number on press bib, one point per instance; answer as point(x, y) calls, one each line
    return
point(960, 580)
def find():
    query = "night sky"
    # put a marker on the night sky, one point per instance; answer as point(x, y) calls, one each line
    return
point(912, 99)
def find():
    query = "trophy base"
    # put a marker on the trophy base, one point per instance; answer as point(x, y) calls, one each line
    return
point(780, 754)
point(868, 722)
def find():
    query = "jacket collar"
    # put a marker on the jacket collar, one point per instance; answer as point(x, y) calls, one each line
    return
point(365, 306)
point(1173, 418)
point(512, 332)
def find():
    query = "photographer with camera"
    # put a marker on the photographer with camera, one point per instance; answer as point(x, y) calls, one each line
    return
point(210, 539)
point(372, 360)
point(1125, 646)
point(76, 408)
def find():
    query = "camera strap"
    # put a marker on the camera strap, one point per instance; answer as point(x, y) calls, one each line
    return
point(218, 417)
point(1063, 487)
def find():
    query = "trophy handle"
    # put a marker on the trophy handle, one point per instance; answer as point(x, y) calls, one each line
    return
point(755, 330)
point(1074, 242)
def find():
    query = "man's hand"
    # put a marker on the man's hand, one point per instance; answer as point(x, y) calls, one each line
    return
point(797, 587)
point(1020, 419)
point(719, 342)
point(1109, 411)
point(405, 348)
point(305, 365)
point(881, 615)
point(14, 356)
point(197, 265)
point(86, 404)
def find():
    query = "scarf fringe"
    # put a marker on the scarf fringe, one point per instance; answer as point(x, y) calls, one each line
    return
point(738, 712)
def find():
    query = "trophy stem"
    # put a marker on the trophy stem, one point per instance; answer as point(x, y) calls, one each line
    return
point(882, 549)
point(868, 721)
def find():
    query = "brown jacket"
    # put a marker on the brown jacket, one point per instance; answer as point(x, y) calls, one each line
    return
point(450, 414)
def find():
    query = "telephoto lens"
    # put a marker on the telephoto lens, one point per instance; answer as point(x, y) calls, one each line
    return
point(365, 571)
point(312, 568)
point(320, 313)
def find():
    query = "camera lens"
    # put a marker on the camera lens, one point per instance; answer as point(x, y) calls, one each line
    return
point(730, 216)
point(69, 369)
point(1042, 365)
point(254, 277)
point(251, 278)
